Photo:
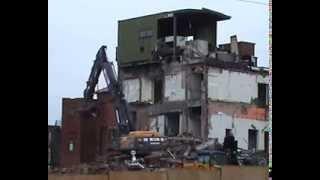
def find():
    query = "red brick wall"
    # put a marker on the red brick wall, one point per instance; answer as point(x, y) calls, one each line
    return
point(106, 121)
point(246, 49)
point(70, 131)
point(238, 110)
point(85, 130)
point(89, 139)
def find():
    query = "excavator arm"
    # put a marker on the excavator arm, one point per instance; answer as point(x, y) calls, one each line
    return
point(101, 64)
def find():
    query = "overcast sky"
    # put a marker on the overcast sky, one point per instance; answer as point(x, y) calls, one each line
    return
point(77, 28)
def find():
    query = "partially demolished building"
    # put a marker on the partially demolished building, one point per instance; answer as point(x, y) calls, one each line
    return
point(178, 80)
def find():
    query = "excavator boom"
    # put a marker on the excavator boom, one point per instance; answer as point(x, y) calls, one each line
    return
point(101, 64)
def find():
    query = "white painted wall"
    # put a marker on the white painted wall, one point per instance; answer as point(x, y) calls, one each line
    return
point(263, 79)
point(230, 86)
point(174, 89)
point(131, 89)
point(146, 91)
point(220, 122)
point(181, 123)
point(157, 124)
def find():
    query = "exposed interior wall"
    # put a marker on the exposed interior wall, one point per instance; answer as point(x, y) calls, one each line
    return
point(220, 122)
point(138, 90)
point(168, 124)
point(141, 116)
point(157, 123)
point(194, 121)
point(230, 86)
point(173, 124)
point(146, 90)
point(174, 87)
point(223, 115)
point(194, 86)
point(131, 89)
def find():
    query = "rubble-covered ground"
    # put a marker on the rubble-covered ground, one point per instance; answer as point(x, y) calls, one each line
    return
point(176, 152)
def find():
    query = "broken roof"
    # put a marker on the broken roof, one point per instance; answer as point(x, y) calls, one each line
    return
point(217, 15)
point(214, 14)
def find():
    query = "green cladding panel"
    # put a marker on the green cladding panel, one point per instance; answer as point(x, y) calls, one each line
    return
point(136, 38)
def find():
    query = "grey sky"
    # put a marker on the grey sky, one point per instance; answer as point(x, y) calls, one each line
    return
point(77, 28)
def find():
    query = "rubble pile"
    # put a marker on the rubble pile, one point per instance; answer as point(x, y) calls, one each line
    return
point(175, 153)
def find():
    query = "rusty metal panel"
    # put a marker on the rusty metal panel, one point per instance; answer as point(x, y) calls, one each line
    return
point(224, 173)
point(194, 174)
point(78, 177)
point(244, 173)
point(138, 175)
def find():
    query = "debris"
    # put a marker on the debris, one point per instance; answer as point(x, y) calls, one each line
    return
point(134, 162)
point(206, 144)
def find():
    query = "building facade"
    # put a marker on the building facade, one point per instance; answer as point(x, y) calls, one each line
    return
point(54, 135)
point(178, 80)
point(85, 129)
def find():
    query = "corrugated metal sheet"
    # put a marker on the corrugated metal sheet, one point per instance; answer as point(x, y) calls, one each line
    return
point(129, 42)
point(194, 174)
point(138, 175)
point(224, 173)
point(78, 177)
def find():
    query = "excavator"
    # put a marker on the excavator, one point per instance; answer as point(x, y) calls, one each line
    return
point(127, 138)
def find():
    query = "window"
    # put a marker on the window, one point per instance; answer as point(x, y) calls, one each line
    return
point(228, 132)
point(157, 94)
point(172, 124)
point(71, 146)
point(263, 92)
point(134, 119)
point(266, 144)
point(141, 49)
point(253, 139)
point(145, 34)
